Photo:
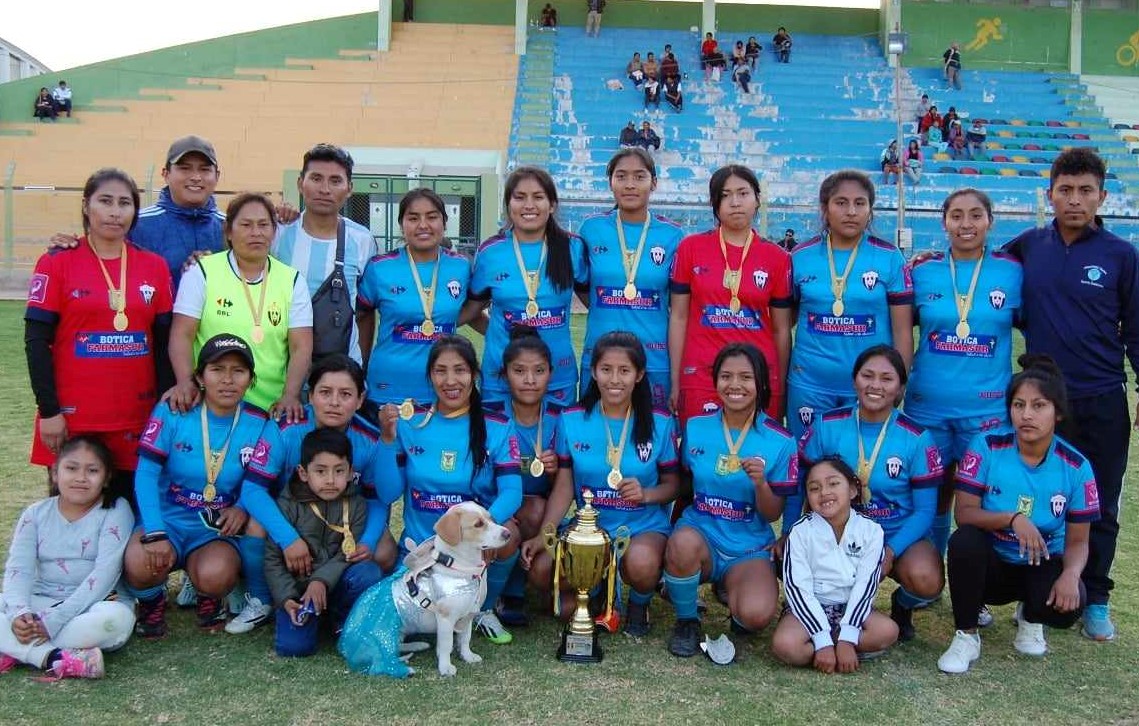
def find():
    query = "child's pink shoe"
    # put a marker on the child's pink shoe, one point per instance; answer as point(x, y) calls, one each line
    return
point(7, 663)
point(79, 663)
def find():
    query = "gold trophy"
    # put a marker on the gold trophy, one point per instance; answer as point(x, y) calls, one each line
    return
point(584, 555)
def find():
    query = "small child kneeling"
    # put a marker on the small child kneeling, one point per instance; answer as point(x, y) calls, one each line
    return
point(832, 564)
point(322, 503)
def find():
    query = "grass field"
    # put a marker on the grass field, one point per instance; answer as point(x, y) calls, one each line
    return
point(193, 678)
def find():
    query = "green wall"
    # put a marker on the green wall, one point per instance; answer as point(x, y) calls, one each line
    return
point(1031, 39)
point(1109, 38)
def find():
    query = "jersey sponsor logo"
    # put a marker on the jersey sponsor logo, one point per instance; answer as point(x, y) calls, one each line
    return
point(147, 291)
point(606, 498)
point(933, 296)
point(545, 318)
point(581, 446)
point(1058, 503)
point(246, 454)
point(870, 279)
point(614, 297)
point(79, 293)
point(515, 454)
point(410, 333)
point(183, 446)
point(111, 345)
point(599, 249)
point(997, 298)
point(933, 458)
point(759, 277)
point(793, 469)
point(719, 317)
point(728, 510)
point(1091, 495)
point(645, 451)
point(806, 415)
point(710, 407)
point(187, 498)
point(37, 288)
point(908, 277)
point(656, 254)
point(436, 503)
point(1093, 275)
point(454, 287)
point(502, 277)
point(806, 279)
point(150, 433)
point(696, 451)
point(894, 467)
point(397, 289)
point(971, 346)
point(844, 325)
point(969, 465)
point(260, 455)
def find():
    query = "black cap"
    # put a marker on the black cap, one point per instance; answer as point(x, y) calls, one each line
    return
point(190, 145)
point(224, 344)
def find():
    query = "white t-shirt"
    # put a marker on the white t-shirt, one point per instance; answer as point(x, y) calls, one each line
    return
point(191, 300)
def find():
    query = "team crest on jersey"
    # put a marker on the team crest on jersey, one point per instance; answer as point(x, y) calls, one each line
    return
point(711, 407)
point(147, 292)
point(656, 254)
point(246, 455)
point(454, 288)
point(645, 451)
point(275, 314)
point(870, 279)
point(447, 460)
point(37, 288)
point(997, 298)
point(759, 277)
point(1058, 503)
point(806, 415)
point(894, 467)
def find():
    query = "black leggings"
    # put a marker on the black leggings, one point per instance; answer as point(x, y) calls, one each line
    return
point(978, 576)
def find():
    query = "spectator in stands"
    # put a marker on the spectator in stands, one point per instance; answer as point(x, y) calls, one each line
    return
point(408, 10)
point(788, 242)
point(652, 92)
point(61, 95)
point(45, 106)
point(751, 51)
point(651, 67)
point(741, 74)
point(931, 120)
point(668, 63)
point(955, 140)
point(890, 163)
point(647, 139)
point(946, 120)
point(672, 93)
point(549, 17)
point(923, 107)
point(781, 42)
point(975, 138)
point(739, 55)
point(711, 59)
point(594, 9)
point(952, 59)
point(628, 135)
point(913, 161)
point(635, 70)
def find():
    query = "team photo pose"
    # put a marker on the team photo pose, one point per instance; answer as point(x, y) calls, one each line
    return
point(899, 469)
point(614, 443)
point(245, 292)
point(418, 292)
point(630, 255)
point(965, 303)
point(831, 568)
point(744, 466)
point(728, 285)
point(851, 291)
point(96, 328)
point(527, 274)
point(65, 558)
point(451, 452)
point(1025, 501)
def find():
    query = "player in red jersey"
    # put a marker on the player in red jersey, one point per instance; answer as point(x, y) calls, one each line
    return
point(728, 285)
point(96, 329)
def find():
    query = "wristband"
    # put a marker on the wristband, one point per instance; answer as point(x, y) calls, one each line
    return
point(1012, 519)
point(153, 537)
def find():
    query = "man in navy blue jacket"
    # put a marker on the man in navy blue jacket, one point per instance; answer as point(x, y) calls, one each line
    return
point(1081, 307)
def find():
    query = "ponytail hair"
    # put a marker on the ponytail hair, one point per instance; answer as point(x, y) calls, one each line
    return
point(643, 424)
point(559, 263)
point(477, 430)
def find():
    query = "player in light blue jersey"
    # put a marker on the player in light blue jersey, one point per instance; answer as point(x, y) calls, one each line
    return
point(965, 303)
point(527, 274)
point(418, 292)
point(899, 467)
point(630, 255)
point(744, 468)
point(852, 290)
point(194, 469)
point(614, 443)
point(1026, 499)
point(455, 452)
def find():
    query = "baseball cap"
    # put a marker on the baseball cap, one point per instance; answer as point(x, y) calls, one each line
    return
point(224, 344)
point(190, 145)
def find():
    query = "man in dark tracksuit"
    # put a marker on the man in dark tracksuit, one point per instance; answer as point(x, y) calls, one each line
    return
point(1081, 307)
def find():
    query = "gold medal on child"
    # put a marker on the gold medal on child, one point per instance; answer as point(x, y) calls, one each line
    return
point(121, 321)
point(258, 334)
point(537, 468)
point(614, 478)
point(427, 328)
point(532, 309)
point(630, 291)
point(407, 409)
point(210, 493)
point(837, 308)
point(962, 329)
point(348, 546)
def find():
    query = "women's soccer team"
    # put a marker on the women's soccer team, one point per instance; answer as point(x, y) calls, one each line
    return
point(724, 386)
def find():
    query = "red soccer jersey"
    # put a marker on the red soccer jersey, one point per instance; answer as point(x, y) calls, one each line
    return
point(765, 282)
point(104, 379)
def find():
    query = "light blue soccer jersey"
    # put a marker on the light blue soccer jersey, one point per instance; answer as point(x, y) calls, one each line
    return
point(724, 507)
point(826, 344)
point(647, 314)
point(582, 446)
point(497, 278)
point(963, 377)
point(432, 457)
point(1061, 489)
point(527, 439)
point(903, 483)
point(315, 259)
point(397, 368)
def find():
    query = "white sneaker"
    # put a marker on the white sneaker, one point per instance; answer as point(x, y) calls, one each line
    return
point(1029, 638)
point(187, 596)
point(253, 614)
point(965, 648)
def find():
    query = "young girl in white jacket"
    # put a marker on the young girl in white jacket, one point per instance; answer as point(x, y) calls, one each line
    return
point(832, 563)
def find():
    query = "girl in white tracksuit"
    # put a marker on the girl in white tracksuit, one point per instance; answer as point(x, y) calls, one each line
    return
point(832, 563)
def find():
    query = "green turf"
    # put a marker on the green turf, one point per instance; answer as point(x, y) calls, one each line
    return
point(193, 678)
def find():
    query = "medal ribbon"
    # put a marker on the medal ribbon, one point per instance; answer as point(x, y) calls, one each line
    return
point(838, 284)
point(964, 302)
point(342, 529)
point(613, 452)
point(530, 280)
point(734, 276)
point(865, 466)
point(214, 461)
point(635, 262)
point(734, 446)
point(118, 298)
point(256, 311)
point(426, 297)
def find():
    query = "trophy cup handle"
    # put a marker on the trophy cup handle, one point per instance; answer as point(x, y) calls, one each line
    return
point(550, 539)
point(619, 544)
point(621, 540)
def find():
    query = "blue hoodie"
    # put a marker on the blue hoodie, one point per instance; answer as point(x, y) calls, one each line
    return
point(175, 232)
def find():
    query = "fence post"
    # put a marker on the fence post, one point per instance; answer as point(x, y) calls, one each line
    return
point(9, 225)
point(1041, 209)
point(764, 205)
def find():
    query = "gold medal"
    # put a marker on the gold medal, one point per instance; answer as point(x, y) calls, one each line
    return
point(531, 280)
point(348, 546)
point(964, 302)
point(631, 260)
point(407, 409)
point(866, 465)
point(258, 334)
point(614, 451)
point(838, 282)
point(733, 463)
point(734, 305)
point(537, 468)
point(730, 462)
point(837, 308)
point(116, 299)
point(962, 329)
point(121, 321)
point(214, 459)
point(614, 478)
point(426, 295)
point(630, 291)
point(210, 493)
point(732, 277)
point(427, 328)
point(532, 309)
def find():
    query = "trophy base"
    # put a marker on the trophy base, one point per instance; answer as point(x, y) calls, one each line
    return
point(577, 648)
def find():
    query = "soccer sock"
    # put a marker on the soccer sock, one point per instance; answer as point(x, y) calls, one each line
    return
point(682, 591)
point(640, 598)
point(515, 583)
point(910, 601)
point(253, 568)
point(496, 576)
point(941, 532)
point(145, 594)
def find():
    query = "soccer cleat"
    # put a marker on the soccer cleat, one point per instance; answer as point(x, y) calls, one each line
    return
point(685, 640)
point(187, 596)
point(984, 617)
point(211, 613)
point(151, 618)
point(637, 620)
point(492, 629)
point(904, 617)
point(1029, 638)
point(78, 663)
point(1097, 623)
point(610, 622)
point(965, 648)
point(254, 613)
point(511, 611)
